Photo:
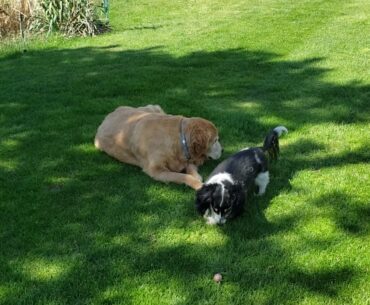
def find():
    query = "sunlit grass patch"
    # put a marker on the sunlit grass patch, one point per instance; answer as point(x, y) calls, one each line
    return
point(43, 270)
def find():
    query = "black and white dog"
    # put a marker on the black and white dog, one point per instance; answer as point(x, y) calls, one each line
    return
point(222, 196)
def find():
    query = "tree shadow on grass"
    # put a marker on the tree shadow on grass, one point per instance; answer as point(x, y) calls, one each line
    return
point(80, 228)
point(324, 282)
point(349, 215)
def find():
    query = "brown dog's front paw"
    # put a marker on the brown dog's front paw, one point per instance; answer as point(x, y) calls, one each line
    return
point(198, 177)
point(197, 185)
point(193, 170)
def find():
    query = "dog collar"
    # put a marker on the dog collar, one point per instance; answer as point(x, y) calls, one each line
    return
point(183, 141)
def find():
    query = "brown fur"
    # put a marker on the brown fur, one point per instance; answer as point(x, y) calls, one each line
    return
point(149, 138)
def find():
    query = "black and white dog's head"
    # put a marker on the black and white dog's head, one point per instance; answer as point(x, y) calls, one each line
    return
point(220, 199)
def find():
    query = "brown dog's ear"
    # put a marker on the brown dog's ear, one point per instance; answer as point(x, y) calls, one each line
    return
point(199, 139)
point(198, 143)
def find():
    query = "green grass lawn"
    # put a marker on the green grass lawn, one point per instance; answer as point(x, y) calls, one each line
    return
point(77, 227)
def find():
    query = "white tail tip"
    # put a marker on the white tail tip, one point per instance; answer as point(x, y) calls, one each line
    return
point(280, 130)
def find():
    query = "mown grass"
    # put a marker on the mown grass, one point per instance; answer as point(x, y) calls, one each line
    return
point(77, 227)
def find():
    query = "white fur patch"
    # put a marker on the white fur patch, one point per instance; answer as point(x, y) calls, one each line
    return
point(223, 194)
point(262, 180)
point(218, 178)
point(213, 218)
point(280, 130)
point(257, 158)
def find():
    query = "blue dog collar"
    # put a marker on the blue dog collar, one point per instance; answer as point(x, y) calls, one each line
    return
point(183, 141)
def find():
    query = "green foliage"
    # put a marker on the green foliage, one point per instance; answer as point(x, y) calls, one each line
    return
point(70, 17)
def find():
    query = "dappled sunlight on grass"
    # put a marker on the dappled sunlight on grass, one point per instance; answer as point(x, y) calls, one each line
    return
point(40, 269)
point(56, 184)
point(8, 165)
point(318, 227)
point(6, 291)
point(247, 105)
point(85, 148)
point(121, 240)
point(209, 236)
point(10, 144)
point(271, 121)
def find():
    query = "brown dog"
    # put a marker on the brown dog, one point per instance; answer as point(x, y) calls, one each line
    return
point(168, 148)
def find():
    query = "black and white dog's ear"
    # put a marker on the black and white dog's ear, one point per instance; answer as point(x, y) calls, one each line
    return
point(237, 194)
point(204, 196)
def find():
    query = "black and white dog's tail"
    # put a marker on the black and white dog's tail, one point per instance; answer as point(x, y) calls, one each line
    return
point(271, 142)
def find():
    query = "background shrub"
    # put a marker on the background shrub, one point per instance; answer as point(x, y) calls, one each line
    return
point(10, 13)
point(69, 17)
